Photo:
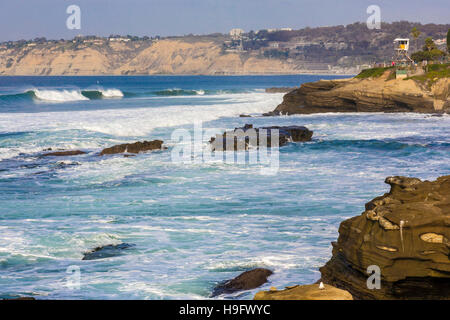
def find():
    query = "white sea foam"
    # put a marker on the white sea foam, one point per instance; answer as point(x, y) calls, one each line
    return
point(59, 95)
point(138, 121)
point(111, 93)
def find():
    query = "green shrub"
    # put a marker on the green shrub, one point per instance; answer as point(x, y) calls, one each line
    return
point(433, 73)
point(372, 73)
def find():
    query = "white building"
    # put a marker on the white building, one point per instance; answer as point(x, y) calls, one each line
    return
point(119, 39)
point(440, 42)
point(236, 33)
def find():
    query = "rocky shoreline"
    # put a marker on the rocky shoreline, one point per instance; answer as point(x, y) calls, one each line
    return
point(405, 234)
point(381, 94)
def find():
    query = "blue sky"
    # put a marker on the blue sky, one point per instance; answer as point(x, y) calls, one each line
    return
point(27, 19)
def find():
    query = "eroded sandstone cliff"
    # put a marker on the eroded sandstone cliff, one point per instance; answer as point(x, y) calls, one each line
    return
point(367, 95)
point(171, 56)
point(406, 233)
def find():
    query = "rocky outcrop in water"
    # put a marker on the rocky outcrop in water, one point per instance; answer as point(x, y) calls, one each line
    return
point(64, 153)
point(406, 233)
point(136, 147)
point(245, 281)
point(107, 251)
point(305, 292)
point(244, 137)
point(366, 95)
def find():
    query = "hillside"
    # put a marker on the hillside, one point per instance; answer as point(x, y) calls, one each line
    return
point(162, 57)
point(339, 49)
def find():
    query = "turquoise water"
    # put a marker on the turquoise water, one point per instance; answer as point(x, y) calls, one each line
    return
point(193, 224)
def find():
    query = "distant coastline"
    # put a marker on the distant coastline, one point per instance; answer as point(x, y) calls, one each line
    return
point(338, 50)
point(350, 75)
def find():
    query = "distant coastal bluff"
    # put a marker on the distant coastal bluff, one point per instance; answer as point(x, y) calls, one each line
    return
point(322, 50)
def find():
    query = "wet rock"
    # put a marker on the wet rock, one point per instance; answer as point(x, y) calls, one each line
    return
point(305, 292)
point(246, 136)
point(64, 153)
point(280, 89)
point(406, 233)
point(107, 251)
point(136, 147)
point(21, 298)
point(245, 116)
point(245, 281)
point(271, 114)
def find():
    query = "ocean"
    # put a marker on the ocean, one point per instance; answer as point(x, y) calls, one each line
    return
point(194, 224)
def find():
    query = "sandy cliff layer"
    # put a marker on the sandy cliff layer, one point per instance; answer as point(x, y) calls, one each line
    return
point(367, 95)
point(406, 233)
point(305, 292)
point(163, 57)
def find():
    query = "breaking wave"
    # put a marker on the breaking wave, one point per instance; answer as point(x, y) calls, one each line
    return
point(65, 95)
point(70, 95)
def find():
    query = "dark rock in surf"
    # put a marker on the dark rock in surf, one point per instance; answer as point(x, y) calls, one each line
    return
point(246, 136)
point(271, 114)
point(245, 281)
point(111, 250)
point(245, 116)
point(64, 153)
point(136, 147)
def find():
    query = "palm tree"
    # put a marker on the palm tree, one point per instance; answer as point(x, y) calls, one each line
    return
point(448, 41)
point(415, 33)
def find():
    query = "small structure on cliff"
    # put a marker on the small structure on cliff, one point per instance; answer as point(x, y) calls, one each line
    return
point(401, 57)
point(401, 47)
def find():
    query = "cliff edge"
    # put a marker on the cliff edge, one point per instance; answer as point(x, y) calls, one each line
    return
point(406, 234)
point(371, 94)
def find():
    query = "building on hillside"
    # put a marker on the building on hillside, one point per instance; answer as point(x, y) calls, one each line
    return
point(275, 45)
point(278, 29)
point(94, 41)
point(119, 39)
point(236, 33)
point(440, 42)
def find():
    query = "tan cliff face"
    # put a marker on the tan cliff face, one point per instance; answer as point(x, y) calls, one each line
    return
point(366, 95)
point(163, 57)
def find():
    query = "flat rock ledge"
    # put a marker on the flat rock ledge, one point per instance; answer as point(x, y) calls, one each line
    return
point(136, 147)
point(244, 137)
point(64, 153)
point(305, 292)
point(280, 89)
point(406, 233)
